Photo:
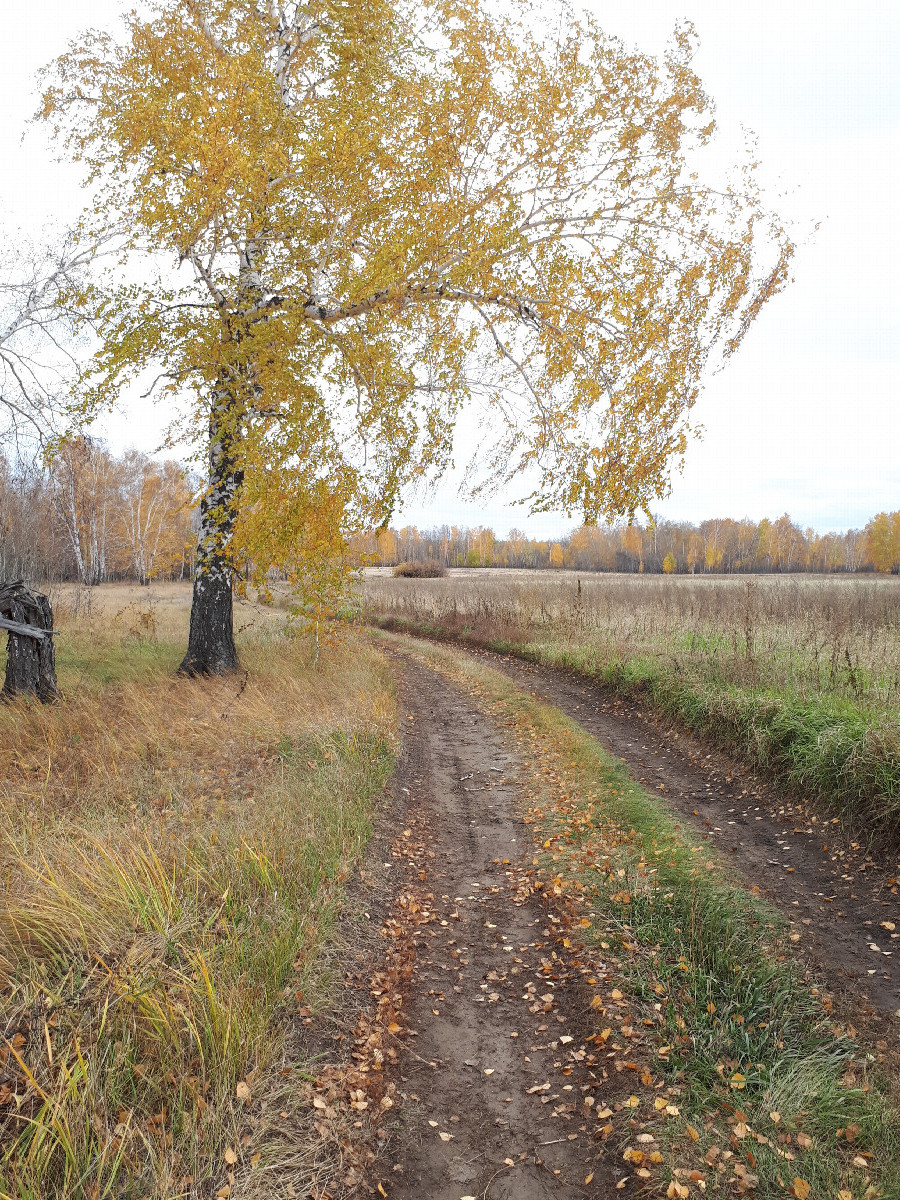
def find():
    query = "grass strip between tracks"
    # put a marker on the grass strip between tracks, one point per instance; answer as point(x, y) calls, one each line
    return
point(775, 1096)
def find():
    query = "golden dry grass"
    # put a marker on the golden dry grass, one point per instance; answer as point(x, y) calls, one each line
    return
point(172, 855)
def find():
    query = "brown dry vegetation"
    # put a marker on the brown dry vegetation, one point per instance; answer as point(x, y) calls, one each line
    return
point(799, 675)
point(172, 855)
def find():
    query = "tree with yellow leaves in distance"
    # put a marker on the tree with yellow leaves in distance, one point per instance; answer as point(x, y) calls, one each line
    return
point(882, 535)
point(354, 220)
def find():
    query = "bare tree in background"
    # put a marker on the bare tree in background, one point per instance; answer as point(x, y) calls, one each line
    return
point(40, 293)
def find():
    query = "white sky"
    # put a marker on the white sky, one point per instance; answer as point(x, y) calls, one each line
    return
point(805, 418)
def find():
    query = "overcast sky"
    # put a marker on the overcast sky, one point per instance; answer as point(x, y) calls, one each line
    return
point(805, 418)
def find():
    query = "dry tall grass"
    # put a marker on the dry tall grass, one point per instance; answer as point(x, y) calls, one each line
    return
point(171, 856)
point(798, 673)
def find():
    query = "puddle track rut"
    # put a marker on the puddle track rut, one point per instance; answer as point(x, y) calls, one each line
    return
point(836, 898)
point(497, 1098)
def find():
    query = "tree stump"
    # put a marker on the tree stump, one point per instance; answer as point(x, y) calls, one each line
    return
point(31, 659)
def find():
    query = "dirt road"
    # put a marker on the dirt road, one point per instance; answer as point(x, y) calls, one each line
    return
point(838, 896)
point(502, 1097)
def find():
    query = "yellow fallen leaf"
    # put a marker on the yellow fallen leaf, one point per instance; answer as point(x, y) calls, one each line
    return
point(692, 1133)
point(394, 1027)
point(445, 1137)
point(242, 1091)
point(672, 1110)
point(804, 1141)
point(597, 1002)
point(859, 1161)
point(381, 1191)
point(659, 1103)
point(774, 1116)
point(632, 1102)
point(588, 1178)
point(740, 1130)
point(889, 926)
point(615, 994)
point(843, 1194)
point(801, 1188)
point(230, 1157)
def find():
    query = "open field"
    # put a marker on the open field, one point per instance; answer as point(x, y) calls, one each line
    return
point(796, 675)
point(567, 988)
point(173, 852)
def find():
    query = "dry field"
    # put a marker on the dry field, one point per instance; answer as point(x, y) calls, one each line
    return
point(171, 855)
point(800, 674)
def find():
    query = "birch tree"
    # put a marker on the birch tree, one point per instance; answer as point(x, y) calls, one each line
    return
point(153, 511)
point(355, 220)
point(84, 482)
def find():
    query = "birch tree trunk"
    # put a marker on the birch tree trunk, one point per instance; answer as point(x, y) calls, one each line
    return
point(211, 649)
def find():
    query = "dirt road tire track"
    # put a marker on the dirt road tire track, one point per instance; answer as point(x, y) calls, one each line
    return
point(836, 898)
point(514, 1126)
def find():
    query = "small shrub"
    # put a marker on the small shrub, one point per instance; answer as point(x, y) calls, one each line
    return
point(420, 570)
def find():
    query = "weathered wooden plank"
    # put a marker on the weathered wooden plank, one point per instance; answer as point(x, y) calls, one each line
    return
point(31, 631)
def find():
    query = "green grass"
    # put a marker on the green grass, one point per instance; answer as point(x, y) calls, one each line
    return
point(708, 963)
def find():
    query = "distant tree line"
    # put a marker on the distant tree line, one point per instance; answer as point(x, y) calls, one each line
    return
point(90, 516)
point(668, 547)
